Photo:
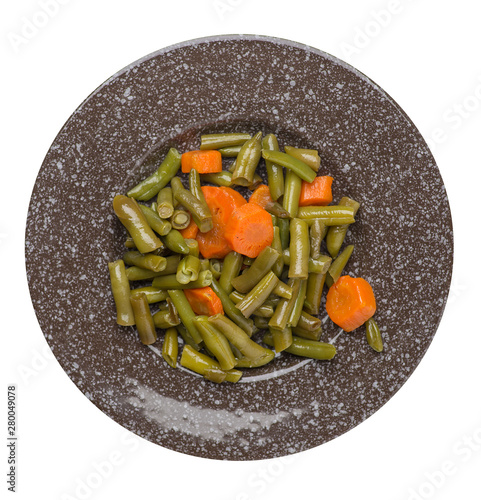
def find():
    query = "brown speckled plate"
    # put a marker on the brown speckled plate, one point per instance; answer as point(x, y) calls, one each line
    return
point(403, 242)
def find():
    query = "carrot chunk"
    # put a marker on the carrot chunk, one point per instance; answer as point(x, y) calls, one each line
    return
point(204, 301)
point(317, 192)
point(205, 162)
point(190, 232)
point(249, 230)
point(261, 196)
point(350, 302)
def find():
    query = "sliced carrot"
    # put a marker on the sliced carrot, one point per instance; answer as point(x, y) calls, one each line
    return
point(205, 162)
point(204, 301)
point(317, 192)
point(249, 230)
point(261, 196)
point(190, 232)
point(222, 201)
point(350, 302)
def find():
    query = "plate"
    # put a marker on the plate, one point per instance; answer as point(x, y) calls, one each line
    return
point(403, 242)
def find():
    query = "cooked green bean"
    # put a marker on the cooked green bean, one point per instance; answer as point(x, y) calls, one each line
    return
point(306, 348)
point(200, 363)
point(150, 186)
point(149, 261)
point(135, 273)
point(188, 269)
point(176, 185)
point(259, 268)
point(180, 219)
point(187, 337)
point(261, 322)
point(215, 267)
point(160, 226)
point(320, 265)
point(246, 161)
point(175, 242)
point(236, 336)
point(257, 296)
point(283, 225)
point(332, 215)
point(309, 322)
point(172, 264)
point(231, 310)
point(277, 209)
point(121, 292)
point(308, 156)
point(315, 284)
point(153, 294)
point(281, 339)
point(204, 265)
point(244, 362)
point(215, 375)
point(338, 265)
point(218, 141)
point(373, 335)
point(165, 203)
point(336, 234)
point(283, 290)
point(299, 249)
point(216, 342)
point(143, 319)
point(307, 334)
point(164, 319)
point(298, 305)
point(170, 347)
point(199, 210)
point(129, 242)
point(186, 313)
point(293, 164)
point(256, 182)
point(230, 270)
point(230, 152)
point(275, 175)
point(292, 192)
point(223, 178)
point(195, 186)
point(285, 306)
point(316, 232)
point(264, 311)
point(131, 216)
point(248, 261)
point(169, 282)
point(278, 267)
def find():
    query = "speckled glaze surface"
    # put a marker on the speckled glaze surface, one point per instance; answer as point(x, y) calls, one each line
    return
point(403, 242)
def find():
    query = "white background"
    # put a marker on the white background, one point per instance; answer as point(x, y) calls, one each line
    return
point(426, 441)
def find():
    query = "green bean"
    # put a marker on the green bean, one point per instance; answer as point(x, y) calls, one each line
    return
point(257, 296)
point(230, 151)
point(298, 305)
point(135, 273)
point(215, 267)
point(244, 362)
point(188, 269)
point(309, 322)
point(218, 141)
point(316, 232)
point(215, 375)
point(230, 270)
point(338, 265)
point(261, 322)
point(200, 363)
point(278, 267)
point(332, 215)
point(186, 313)
point(263, 311)
point(247, 160)
point(176, 186)
point(373, 335)
point(165, 203)
point(275, 175)
point(121, 292)
point(282, 339)
point(223, 178)
point(187, 337)
point(164, 319)
point(292, 192)
point(170, 347)
point(131, 216)
point(256, 182)
point(315, 284)
point(308, 156)
point(239, 338)
point(169, 282)
point(175, 242)
point(307, 334)
point(129, 242)
point(320, 265)
point(180, 219)
point(274, 219)
point(143, 319)
point(149, 261)
point(204, 265)
point(193, 246)
point(285, 306)
point(293, 164)
point(277, 209)
point(299, 249)
point(150, 186)
point(283, 290)
point(283, 225)
point(194, 185)
point(216, 342)
point(248, 261)
point(231, 310)
point(260, 267)
point(172, 264)
point(160, 226)
point(153, 294)
point(306, 348)
point(335, 236)
point(199, 210)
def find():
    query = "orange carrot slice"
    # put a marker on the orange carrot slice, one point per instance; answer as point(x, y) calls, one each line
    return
point(317, 192)
point(261, 196)
point(205, 162)
point(350, 302)
point(204, 301)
